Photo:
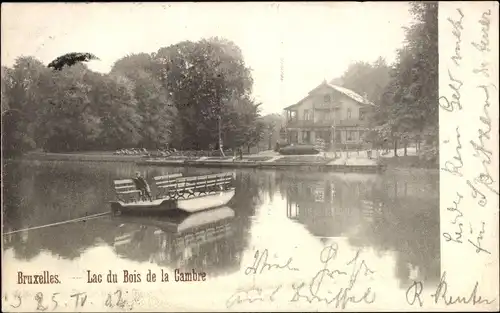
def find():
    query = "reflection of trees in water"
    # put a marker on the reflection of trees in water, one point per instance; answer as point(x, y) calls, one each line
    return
point(57, 191)
point(390, 213)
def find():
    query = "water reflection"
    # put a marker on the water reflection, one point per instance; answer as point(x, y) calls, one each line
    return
point(395, 213)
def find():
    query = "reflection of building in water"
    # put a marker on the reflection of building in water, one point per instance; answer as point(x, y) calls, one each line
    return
point(330, 207)
point(394, 214)
point(202, 241)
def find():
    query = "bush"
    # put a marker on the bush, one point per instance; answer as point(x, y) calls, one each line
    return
point(299, 150)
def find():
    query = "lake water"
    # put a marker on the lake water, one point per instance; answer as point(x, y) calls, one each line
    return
point(391, 220)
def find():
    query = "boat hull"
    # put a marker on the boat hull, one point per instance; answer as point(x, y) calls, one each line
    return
point(158, 206)
point(205, 202)
point(163, 206)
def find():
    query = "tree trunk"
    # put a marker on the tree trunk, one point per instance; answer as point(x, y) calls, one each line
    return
point(221, 149)
point(395, 147)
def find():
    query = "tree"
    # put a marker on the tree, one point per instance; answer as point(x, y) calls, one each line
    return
point(66, 121)
point(272, 124)
point(70, 59)
point(205, 79)
point(154, 104)
point(187, 95)
point(23, 88)
point(414, 89)
point(407, 108)
point(366, 79)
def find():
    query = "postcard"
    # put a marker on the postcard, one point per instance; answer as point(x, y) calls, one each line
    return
point(274, 156)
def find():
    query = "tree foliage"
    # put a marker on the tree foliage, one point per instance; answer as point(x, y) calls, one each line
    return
point(407, 107)
point(366, 79)
point(176, 96)
point(70, 59)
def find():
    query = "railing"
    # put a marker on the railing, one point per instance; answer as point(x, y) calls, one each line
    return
point(326, 123)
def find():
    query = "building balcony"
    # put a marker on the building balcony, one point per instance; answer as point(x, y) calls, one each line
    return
point(326, 123)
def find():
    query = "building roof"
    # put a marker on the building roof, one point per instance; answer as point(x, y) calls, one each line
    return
point(347, 92)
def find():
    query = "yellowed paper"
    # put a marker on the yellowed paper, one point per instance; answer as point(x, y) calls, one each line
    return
point(395, 209)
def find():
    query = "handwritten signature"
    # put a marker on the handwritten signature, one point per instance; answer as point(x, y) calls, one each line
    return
point(414, 294)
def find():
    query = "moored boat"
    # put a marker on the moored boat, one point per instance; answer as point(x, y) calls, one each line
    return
point(175, 192)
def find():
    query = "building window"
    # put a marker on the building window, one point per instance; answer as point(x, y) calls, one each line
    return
point(361, 115)
point(327, 98)
point(307, 115)
point(350, 135)
point(349, 113)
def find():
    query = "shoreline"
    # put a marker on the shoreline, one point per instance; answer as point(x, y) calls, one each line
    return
point(247, 162)
point(318, 166)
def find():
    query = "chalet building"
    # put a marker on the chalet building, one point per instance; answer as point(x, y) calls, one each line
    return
point(333, 113)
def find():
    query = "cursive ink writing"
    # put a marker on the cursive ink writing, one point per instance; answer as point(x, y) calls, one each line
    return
point(251, 295)
point(451, 166)
point(414, 292)
point(459, 215)
point(475, 193)
point(455, 85)
point(457, 32)
point(477, 244)
point(343, 296)
point(441, 294)
point(484, 178)
point(260, 264)
point(485, 29)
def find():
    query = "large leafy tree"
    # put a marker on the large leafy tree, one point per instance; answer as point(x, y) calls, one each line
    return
point(408, 108)
point(188, 94)
point(154, 104)
point(66, 121)
point(23, 89)
point(205, 79)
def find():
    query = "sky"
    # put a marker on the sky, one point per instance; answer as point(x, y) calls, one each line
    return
point(315, 40)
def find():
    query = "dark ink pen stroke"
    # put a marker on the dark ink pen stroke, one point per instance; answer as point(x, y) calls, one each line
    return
point(343, 296)
point(450, 166)
point(414, 292)
point(457, 32)
point(441, 294)
point(260, 262)
point(478, 241)
point(475, 193)
point(483, 45)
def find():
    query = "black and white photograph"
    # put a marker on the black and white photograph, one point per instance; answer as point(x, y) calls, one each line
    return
point(253, 156)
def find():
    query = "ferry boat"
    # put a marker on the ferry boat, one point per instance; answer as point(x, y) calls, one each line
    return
point(175, 192)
